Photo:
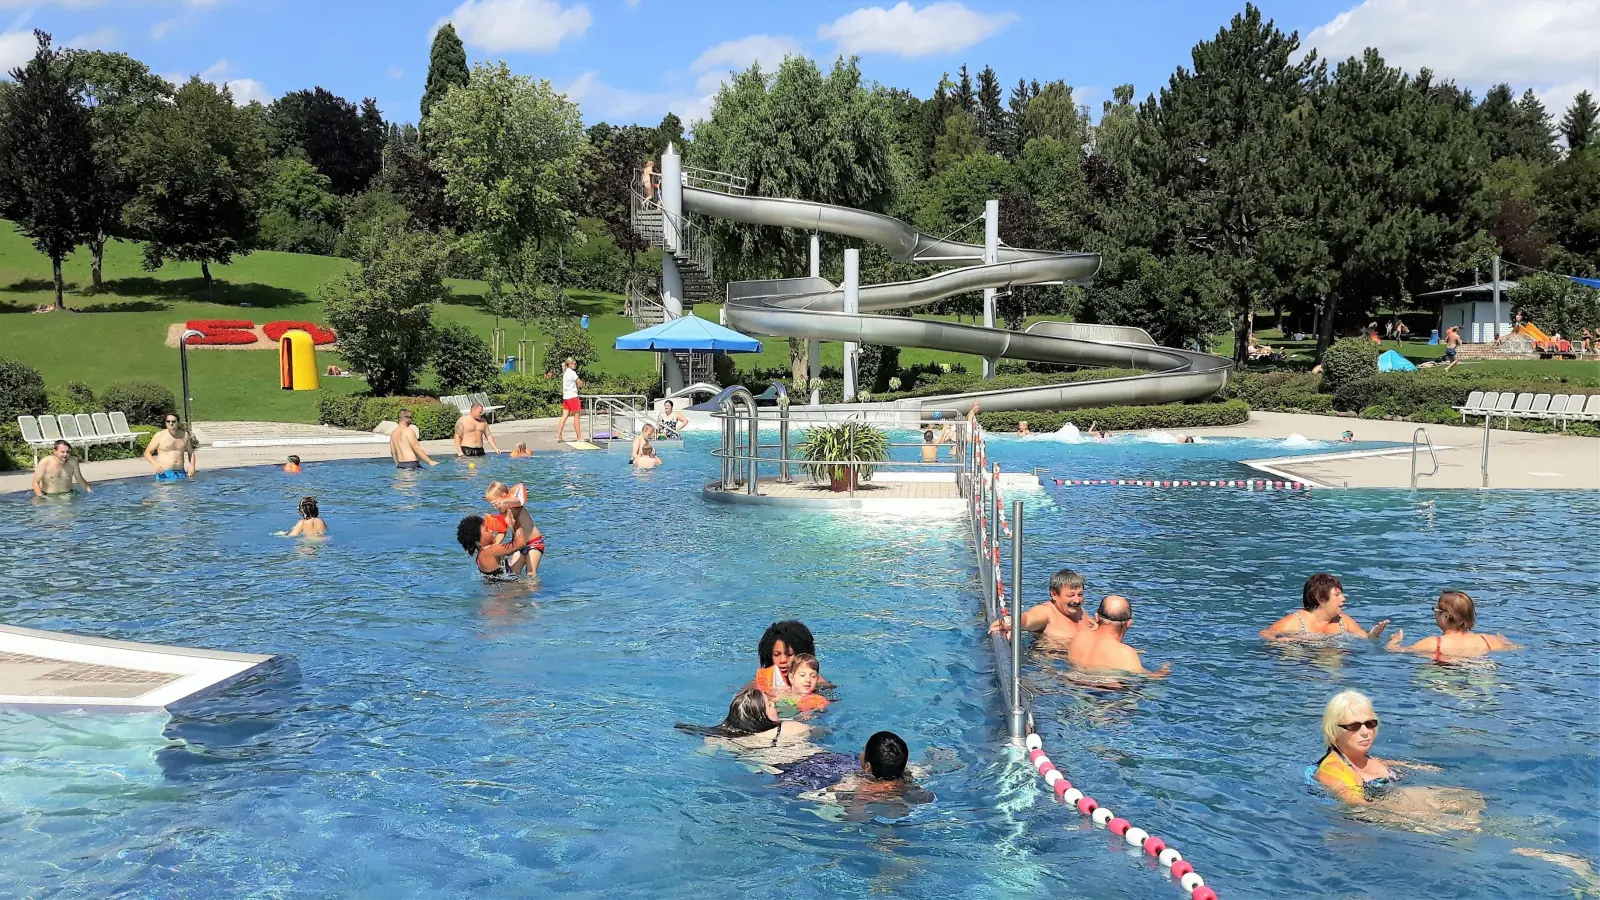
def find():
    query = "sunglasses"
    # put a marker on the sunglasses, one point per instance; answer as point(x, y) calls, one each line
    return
point(172, 421)
point(1357, 726)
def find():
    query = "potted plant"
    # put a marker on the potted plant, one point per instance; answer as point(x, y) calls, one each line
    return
point(844, 442)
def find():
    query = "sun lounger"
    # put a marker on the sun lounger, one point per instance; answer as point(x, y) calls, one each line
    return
point(1591, 409)
point(87, 429)
point(1472, 407)
point(35, 440)
point(1558, 406)
point(119, 421)
point(483, 400)
point(1541, 406)
point(109, 432)
point(69, 433)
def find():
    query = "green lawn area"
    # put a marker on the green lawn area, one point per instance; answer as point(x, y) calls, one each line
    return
point(1585, 372)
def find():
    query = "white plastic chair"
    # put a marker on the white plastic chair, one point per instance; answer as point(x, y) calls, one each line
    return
point(107, 431)
point(1471, 407)
point(49, 429)
point(1540, 407)
point(119, 421)
point(32, 436)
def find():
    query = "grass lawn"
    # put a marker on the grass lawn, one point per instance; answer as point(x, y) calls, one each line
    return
point(1582, 372)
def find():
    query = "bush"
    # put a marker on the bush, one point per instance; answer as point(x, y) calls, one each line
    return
point(143, 402)
point(1407, 393)
point(1350, 359)
point(21, 391)
point(462, 361)
point(536, 396)
point(13, 452)
point(1376, 412)
point(961, 383)
point(80, 393)
point(383, 312)
point(434, 420)
point(1123, 418)
point(568, 340)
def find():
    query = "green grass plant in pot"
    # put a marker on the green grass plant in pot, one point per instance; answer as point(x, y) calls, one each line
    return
point(844, 442)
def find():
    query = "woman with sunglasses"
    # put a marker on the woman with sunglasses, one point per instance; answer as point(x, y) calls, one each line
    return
point(1456, 616)
point(1347, 768)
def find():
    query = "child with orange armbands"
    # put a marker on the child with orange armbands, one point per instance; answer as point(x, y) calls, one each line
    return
point(804, 678)
point(512, 519)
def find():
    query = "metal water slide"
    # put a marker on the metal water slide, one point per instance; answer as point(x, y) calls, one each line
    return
point(813, 308)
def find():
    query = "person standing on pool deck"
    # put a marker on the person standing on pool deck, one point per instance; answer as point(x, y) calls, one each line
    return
point(1322, 615)
point(404, 446)
point(1102, 649)
point(1058, 620)
point(472, 432)
point(171, 452)
point(571, 404)
point(56, 473)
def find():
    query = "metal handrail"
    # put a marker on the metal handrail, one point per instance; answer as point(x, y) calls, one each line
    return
point(1423, 433)
point(710, 179)
point(613, 405)
point(691, 243)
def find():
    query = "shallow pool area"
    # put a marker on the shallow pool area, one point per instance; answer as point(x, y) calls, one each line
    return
point(432, 735)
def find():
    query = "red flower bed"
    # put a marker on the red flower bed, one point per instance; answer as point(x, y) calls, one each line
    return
point(225, 336)
point(209, 325)
point(319, 334)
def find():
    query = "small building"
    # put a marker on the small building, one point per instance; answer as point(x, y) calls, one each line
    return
point(1471, 309)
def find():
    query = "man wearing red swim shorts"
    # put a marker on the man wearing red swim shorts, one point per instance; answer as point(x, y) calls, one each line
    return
point(570, 404)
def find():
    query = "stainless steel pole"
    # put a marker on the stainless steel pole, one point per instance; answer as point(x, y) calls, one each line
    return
point(994, 534)
point(991, 255)
point(1494, 331)
point(754, 435)
point(183, 364)
point(1486, 421)
point(1018, 715)
point(783, 442)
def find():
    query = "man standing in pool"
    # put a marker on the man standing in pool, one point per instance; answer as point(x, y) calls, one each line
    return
point(171, 452)
point(1058, 620)
point(56, 473)
point(404, 446)
point(1102, 649)
point(472, 432)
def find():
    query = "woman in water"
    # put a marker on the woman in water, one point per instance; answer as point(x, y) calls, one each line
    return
point(753, 730)
point(1322, 615)
point(1455, 616)
point(1349, 772)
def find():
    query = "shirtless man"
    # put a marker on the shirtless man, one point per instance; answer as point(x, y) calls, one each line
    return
point(1102, 649)
point(472, 432)
point(647, 458)
point(56, 473)
point(171, 452)
point(641, 441)
point(404, 446)
point(1060, 619)
point(1452, 346)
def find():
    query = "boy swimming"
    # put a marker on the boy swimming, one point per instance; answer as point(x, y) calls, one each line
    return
point(310, 524)
point(292, 467)
point(878, 782)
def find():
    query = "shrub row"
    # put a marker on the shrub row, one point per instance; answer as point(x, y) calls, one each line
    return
point(539, 396)
point(434, 420)
point(143, 402)
point(1406, 393)
point(1123, 418)
point(14, 452)
point(962, 383)
point(1278, 391)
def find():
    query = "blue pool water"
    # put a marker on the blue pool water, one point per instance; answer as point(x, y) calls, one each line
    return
point(430, 735)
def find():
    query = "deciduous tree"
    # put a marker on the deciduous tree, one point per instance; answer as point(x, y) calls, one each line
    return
point(343, 143)
point(383, 311)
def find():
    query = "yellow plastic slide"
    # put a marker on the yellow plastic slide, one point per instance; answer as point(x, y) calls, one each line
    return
point(1533, 331)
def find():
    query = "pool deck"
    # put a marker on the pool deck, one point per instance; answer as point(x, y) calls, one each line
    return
point(1518, 460)
point(47, 670)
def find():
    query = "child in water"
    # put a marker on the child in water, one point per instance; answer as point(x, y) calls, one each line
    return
point(292, 467)
point(877, 782)
point(512, 517)
point(521, 450)
point(310, 524)
point(804, 677)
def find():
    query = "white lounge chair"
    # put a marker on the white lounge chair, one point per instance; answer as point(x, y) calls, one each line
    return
point(1540, 407)
point(32, 436)
point(1558, 407)
point(1472, 406)
point(49, 429)
point(70, 433)
point(483, 400)
point(1520, 408)
point(461, 402)
point(108, 432)
point(119, 421)
point(1591, 409)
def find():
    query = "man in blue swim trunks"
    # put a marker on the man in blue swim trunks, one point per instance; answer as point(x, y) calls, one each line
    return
point(171, 452)
point(1452, 345)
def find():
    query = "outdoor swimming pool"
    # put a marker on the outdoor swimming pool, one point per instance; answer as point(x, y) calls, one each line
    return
point(436, 736)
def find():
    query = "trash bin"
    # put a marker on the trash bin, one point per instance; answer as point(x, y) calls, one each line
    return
point(583, 322)
point(1434, 340)
point(511, 364)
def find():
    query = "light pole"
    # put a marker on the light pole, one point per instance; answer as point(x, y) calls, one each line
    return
point(183, 363)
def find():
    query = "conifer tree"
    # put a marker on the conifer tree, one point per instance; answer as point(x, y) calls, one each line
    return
point(1578, 125)
point(447, 67)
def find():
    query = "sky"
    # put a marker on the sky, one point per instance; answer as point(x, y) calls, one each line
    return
point(634, 60)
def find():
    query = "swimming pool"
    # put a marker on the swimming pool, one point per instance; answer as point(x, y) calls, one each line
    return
point(436, 736)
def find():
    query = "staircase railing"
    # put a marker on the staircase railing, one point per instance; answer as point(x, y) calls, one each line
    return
point(693, 245)
point(647, 310)
point(712, 180)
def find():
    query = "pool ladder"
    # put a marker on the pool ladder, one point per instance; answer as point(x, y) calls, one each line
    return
point(1422, 433)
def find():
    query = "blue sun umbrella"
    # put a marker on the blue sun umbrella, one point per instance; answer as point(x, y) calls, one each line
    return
point(688, 334)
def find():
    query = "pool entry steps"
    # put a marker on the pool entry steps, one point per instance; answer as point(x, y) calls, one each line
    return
point(47, 670)
point(985, 485)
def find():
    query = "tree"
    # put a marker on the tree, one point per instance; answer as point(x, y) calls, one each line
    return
point(298, 213)
point(462, 361)
point(1515, 127)
point(410, 175)
point(510, 149)
point(670, 131)
point(447, 68)
point(1218, 150)
point(958, 139)
point(966, 98)
point(797, 134)
point(1051, 112)
point(383, 311)
point(1578, 125)
point(49, 183)
point(344, 144)
point(200, 166)
point(118, 89)
point(1569, 197)
point(992, 119)
point(610, 172)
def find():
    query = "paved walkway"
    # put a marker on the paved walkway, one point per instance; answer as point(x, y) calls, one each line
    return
point(309, 442)
point(1517, 459)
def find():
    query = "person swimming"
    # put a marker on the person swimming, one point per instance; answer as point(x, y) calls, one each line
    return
point(1323, 615)
point(780, 644)
point(878, 780)
point(805, 676)
point(752, 729)
point(310, 524)
point(521, 451)
point(1455, 615)
point(292, 467)
point(511, 519)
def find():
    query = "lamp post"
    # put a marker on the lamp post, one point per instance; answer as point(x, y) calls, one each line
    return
point(183, 363)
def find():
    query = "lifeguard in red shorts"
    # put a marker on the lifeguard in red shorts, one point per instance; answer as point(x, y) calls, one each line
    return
point(570, 404)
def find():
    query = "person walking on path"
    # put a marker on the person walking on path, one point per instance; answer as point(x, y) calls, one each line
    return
point(171, 452)
point(571, 405)
point(1452, 346)
point(56, 473)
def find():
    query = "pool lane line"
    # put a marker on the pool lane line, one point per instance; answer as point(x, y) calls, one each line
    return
point(1250, 484)
point(1168, 857)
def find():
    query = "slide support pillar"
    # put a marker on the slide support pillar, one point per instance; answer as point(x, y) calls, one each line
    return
point(814, 346)
point(991, 255)
point(852, 305)
point(671, 281)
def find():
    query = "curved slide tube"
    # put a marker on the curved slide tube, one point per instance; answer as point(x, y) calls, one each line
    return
point(812, 308)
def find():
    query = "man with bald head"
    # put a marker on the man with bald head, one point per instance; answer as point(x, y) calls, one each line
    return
point(1102, 650)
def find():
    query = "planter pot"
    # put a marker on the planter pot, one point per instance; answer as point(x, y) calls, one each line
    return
point(843, 478)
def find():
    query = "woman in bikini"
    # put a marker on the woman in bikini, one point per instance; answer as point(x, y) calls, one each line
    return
point(1455, 616)
point(1322, 615)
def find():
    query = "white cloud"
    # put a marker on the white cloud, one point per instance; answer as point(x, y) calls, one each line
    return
point(601, 101)
point(1548, 45)
point(905, 30)
point(16, 48)
point(246, 90)
point(396, 72)
point(99, 39)
point(716, 62)
point(164, 27)
point(215, 70)
point(501, 25)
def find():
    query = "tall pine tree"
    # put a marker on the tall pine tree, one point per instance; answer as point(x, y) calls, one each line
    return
point(447, 68)
point(1578, 125)
point(49, 181)
point(966, 97)
point(992, 121)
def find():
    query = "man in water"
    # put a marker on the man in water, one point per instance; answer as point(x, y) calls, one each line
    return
point(641, 441)
point(647, 458)
point(56, 473)
point(404, 446)
point(171, 452)
point(1102, 649)
point(472, 432)
point(1058, 620)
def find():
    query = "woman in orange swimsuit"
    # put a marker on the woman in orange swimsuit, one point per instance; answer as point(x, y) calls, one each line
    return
point(1455, 616)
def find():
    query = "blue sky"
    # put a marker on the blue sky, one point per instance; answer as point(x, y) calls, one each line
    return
point(632, 60)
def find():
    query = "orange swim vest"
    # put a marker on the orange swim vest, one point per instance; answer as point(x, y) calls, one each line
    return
point(291, 469)
point(771, 681)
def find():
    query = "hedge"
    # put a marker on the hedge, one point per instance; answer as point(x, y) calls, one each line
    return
point(1123, 418)
point(434, 420)
point(963, 383)
point(537, 396)
point(22, 391)
point(1406, 393)
point(143, 402)
point(14, 452)
point(1348, 360)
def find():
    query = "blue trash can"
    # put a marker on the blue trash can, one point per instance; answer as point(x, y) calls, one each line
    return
point(583, 322)
point(511, 364)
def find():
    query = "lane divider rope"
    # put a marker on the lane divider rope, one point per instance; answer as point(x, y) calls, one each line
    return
point(1253, 484)
point(1167, 857)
